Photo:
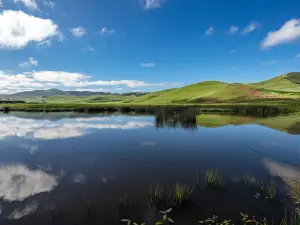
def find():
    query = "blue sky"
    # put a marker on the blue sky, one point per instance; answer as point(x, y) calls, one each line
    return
point(144, 45)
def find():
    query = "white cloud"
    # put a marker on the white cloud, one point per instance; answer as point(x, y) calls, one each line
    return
point(78, 31)
point(89, 49)
point(209, 31)
point(232, 50)
point(18, 29)
point(49, 4)
point(147, 65)
point(106, 31)
point(11, 83)
point(17, 182)
point(152, 4)
point(1, 3)
point(31, 62)
point(93, 89)
point(270, 62)
point(298, 56)
point(250, 28)
point(30, 4)
point(290, 31)
point(69, 128)
point(45, 43)
point(233, 29)
point(19, 213)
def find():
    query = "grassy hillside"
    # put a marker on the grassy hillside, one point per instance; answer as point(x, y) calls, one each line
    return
point(279, 88)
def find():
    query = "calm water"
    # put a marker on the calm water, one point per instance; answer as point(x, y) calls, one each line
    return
point(65, 168)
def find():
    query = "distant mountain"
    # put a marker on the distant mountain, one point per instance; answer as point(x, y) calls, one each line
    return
point(52, 94)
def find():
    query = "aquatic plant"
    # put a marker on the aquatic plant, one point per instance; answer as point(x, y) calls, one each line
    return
point(129, 222)
point(182, 192)
point(215, 220)
point(250, 179)
point(166, 219)
point(213, 178)
point(272, 190)
point(294, 218)
point(156, 192)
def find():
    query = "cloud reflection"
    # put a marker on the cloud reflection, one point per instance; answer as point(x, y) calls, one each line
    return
point(17, 182)
point(19, 213)
point(62, 129)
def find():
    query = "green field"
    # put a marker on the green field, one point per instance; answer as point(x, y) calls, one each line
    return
point(283, 90)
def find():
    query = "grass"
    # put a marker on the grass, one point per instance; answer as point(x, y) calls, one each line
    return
point(213, 178)
point(182, 192)
point(272, 190)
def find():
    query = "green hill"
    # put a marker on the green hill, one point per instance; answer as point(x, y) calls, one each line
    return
point(284, 87)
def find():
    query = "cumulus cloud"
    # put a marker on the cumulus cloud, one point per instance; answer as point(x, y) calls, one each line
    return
point(49, 4)
point(70, 128)
point(17, 182)
point(233, 29)
point(18, 29)
point(31, 62)
point(19, 213)
point(106, 31)
point(209, 31)
point(250, 28)
point(1, 3)
point(10, 83)
point(30, 4)
point(290, 31)
point(147, 65)
point(78, 31)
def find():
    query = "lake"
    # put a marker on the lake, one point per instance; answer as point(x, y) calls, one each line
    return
point(76, 168)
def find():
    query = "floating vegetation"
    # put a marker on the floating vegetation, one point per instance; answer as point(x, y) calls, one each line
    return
point(272, 190)
point(213, 178)
point(166, 219)
point(251, 220)
point(215, 220)
point(129, 222)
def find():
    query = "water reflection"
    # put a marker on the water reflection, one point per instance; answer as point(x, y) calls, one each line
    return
point(19, 213)
point(62, 129)
point(17, 182)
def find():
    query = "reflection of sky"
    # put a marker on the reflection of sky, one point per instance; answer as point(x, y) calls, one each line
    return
point(17, 182)
point(66, 128)
point(19, 213)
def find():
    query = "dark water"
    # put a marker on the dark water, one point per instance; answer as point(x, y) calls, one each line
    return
point(64, 168)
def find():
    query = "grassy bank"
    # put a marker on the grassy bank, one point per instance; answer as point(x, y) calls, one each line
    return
point(89, 107)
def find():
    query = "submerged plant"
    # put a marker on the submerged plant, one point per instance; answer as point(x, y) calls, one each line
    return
point(250, 179)
point(213, 178)
point(272, 190)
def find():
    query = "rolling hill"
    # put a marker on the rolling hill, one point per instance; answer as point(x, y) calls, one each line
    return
point(285, 87)
point(281, 88)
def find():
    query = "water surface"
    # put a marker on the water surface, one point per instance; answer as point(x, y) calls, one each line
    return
point(67, 168)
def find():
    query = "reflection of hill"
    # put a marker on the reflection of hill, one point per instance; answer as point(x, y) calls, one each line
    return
point(288, 124)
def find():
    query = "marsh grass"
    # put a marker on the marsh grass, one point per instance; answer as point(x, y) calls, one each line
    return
point(272, 190)
point(251, 179)
point(293, 219)
point(182, 192)
point(213, 178)
point(172, 195)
